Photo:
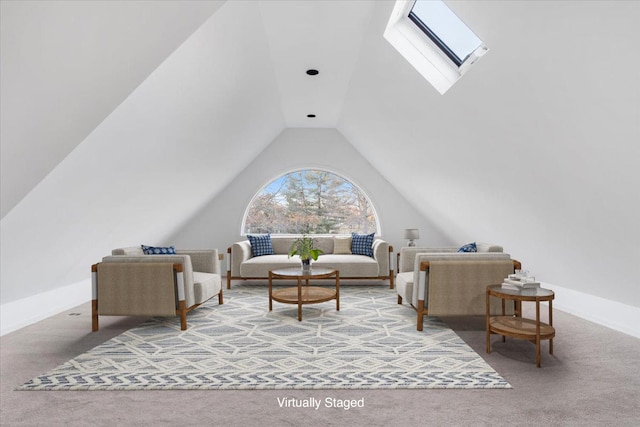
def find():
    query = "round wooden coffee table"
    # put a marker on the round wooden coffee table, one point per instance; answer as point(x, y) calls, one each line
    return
point(303, 293)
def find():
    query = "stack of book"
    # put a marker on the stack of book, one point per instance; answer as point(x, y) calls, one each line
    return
point(517, 283)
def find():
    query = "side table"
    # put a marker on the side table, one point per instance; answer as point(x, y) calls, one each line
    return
point(516, 326)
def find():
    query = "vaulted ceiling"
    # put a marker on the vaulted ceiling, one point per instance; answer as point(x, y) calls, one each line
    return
point(114, 114)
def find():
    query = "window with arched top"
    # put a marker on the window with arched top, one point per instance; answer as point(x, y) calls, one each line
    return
point(310, 201)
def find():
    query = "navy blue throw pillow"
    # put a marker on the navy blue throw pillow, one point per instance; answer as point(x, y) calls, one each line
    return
point(362, 244)
point(158, 250)
point(469, 247)
point(261, 245)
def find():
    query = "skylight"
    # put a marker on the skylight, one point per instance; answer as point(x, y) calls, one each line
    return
point(445, 29)
point(434, 41)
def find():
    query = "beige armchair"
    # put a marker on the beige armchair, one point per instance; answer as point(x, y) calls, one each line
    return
point(129, 283)
point(445, 283)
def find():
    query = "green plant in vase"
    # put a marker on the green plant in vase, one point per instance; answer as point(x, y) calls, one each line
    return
point(304, 248)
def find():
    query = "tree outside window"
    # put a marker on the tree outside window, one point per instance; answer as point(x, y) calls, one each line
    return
point(310, 201)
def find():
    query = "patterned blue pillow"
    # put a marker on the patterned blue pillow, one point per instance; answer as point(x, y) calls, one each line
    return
point(469, 247)
point(261, 245)
point(153, 250)
point(362, 244)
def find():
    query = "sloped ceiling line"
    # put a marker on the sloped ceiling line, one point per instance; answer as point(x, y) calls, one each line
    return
point(67, 65)
point(173, 144)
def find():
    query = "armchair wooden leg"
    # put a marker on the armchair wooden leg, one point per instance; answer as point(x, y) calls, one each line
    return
point(399, 299)
point(183, 315)
point(220, 301)
point(94, 315)
point(420, 314)
point(392, 282)
point(229, 257)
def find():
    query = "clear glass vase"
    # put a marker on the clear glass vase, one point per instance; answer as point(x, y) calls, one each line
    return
point(306, 266)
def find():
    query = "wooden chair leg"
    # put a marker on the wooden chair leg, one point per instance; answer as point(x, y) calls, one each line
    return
point(229, 257)
point(183, 315)
point(399, 299)
point(220, 301)
point(94, 315)
point(420, 314)
point(392, 282)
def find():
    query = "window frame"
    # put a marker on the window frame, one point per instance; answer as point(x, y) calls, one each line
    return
point(424, 50)
point(374, 212)
point(434, 38)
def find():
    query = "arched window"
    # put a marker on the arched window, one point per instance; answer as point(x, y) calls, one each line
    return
point(310, 201)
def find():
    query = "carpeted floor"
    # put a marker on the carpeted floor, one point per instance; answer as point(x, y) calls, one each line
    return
point(371, 343)
point(591, 380)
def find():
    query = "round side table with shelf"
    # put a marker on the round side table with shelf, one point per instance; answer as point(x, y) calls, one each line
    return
point(516, 326)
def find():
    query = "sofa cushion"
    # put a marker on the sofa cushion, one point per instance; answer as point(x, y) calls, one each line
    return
point(261, 245)
point(260, 266)
point(282, 244)
point(342, 245)
point(130, 251)
point(488, 247)
point(349, 265)
point(158, 250)
point(324, 243)
point(469, 247)
point(362, 244)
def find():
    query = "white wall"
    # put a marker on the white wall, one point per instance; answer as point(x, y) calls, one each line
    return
point(175, 142)
point(536, 148)
point(66, 65)
point(218, 224)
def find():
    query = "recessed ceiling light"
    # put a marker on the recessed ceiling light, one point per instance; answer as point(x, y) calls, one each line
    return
point(312, 72)
point(311, 115)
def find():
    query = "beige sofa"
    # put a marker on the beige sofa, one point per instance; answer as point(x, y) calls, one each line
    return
point(443, 282)
point(130, 283)
point(242, 265)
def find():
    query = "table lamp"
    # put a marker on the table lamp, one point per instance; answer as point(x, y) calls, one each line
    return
point(411, 234)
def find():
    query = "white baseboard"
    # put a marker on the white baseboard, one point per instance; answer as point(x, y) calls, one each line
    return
point(615, 315)
point(26, 311)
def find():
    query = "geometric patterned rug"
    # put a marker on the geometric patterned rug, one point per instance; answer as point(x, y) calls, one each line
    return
point(371, 343)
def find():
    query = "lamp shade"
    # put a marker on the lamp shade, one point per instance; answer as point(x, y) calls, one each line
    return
point(411, 233)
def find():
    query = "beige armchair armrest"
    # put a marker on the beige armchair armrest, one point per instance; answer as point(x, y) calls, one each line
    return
point(203, 260)
point(240, 252)
point(421, 274)
point(457, 287)
point(237, 253)
point(138, 289)
point(183, 259)
point(382, 253)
